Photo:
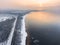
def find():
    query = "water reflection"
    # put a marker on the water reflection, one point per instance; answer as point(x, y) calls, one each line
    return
point(43, 28)
point(42, 17)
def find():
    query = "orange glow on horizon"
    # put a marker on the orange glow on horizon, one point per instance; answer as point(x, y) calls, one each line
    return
point(38, 17)
point(32, 4)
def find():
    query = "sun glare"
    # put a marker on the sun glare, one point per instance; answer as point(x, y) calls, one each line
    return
point(43, 1)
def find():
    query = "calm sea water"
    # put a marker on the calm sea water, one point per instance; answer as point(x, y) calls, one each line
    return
point(43, 28)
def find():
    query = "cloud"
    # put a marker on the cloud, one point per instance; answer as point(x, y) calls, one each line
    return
point(53, 9)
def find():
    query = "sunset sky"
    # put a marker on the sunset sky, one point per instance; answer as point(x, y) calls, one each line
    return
point(34, 4)
point(28, 4)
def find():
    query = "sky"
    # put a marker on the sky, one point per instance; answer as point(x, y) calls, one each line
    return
point(28, 4)
point(48, 5)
